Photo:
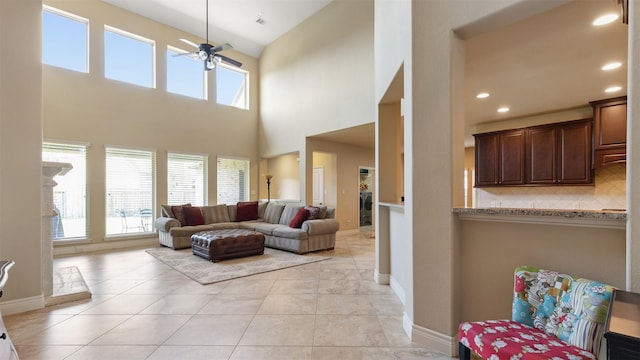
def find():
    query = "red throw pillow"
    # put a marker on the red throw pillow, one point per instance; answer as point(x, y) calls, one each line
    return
point(178, 213)
point(301, 216)
point(247, 211)
point(193, 216)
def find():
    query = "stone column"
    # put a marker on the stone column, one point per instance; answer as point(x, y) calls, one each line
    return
point(49, 170)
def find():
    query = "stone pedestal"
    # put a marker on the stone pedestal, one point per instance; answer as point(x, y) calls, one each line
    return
point(68, 284)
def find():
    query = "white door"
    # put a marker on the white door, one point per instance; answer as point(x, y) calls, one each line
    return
point(318, 185)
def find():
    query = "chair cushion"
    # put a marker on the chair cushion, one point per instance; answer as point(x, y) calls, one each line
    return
point(508, 339)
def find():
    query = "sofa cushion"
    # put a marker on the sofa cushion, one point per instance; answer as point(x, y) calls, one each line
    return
point(266, 228)
point(188, 230)
point(323, 212)
point(314, 212)
point(178, 213)
point(262, 206)
point(290, 210)
point(300, 217)
point(215, 214)
point(193, 216)
point(330, 213)
point(247, 211)
point(273, 212)
point(233, 211)
point(165, 210)
point(290, 233)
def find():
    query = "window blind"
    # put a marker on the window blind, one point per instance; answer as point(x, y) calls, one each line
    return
point(130, 186)
point(70, 195)
point(233, 180)
point(186, 179)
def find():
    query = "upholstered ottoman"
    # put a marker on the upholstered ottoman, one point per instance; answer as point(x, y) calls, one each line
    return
point(216, 245)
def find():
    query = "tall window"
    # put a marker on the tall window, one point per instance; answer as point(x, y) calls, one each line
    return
point(185, 76)
point(128, 57)
point(232, 86)
point(187, 179)
point(70, 195)
point(130, 189)
point(64, 39)
point(233, 180)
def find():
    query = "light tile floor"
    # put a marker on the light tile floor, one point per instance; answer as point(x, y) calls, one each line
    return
point(143, 309)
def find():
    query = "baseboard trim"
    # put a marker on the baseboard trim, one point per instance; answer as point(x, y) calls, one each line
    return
point(22, 305)
point(107, 245)
point(429, 338)
point(398, 290)
point(382, 279)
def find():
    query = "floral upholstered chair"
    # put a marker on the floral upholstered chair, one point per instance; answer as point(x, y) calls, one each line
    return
point(554, 316)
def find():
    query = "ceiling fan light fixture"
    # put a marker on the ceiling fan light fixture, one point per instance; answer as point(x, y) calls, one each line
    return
point(210, 65)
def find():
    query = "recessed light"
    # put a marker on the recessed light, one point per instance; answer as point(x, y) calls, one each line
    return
point(503, 109)
point(611, 89)
point(482, 95)
point(611, 65)
point(605, 19)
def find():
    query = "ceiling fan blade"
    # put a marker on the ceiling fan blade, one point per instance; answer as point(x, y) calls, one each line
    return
point(229, 60)
point(190, 43)
point(222, 47)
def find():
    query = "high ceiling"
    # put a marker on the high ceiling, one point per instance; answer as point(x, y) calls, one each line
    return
point(230, 21)
point(546, 62)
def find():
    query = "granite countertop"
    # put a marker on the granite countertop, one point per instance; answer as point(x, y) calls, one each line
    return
point(558, 213)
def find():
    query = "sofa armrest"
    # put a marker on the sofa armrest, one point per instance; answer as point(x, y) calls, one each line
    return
point(165, 223)
point(321, 226)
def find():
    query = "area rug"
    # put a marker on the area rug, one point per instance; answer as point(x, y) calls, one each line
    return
point(207, 272)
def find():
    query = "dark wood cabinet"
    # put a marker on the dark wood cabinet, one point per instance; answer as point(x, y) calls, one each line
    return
point(574, 153)
point(610, 131)
point(555, 154)
point(500, 158)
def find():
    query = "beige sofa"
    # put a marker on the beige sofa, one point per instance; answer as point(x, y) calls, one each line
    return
point(273, 221)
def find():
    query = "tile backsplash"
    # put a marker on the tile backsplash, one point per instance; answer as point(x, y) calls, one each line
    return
point(609, 192)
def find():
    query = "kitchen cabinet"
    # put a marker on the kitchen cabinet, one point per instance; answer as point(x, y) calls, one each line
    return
point(500, 158)
point(555, 154)
point(610, 131)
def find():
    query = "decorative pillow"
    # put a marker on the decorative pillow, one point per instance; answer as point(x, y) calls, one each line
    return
point(290, 210)
point(166, 211)
point(178, 213)
point(215, 214)
point(193, 216)
point(247, 211)
point(272, 213)
point(300, 217)
point(314, 212)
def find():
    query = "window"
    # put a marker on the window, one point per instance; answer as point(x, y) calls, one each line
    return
point(233, 180)
point(130, 189)
point(187, 179)
point(185, 76)
point(232, 86)
point(128, 57)
point(64, 40)
point(70, 195)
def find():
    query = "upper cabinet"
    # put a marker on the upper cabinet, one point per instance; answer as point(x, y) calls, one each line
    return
point(556, 154)
point(610, 133)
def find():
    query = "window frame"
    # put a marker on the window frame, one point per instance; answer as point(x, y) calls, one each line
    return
point(73, 17)
point(205, 176)
point(246, 85)
point(153, 169)
point(132, 36)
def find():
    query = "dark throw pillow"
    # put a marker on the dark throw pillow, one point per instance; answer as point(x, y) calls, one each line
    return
point(193, 216)
point(301, 216)
point(314, 212)
point(178, 213)
point(247, 211)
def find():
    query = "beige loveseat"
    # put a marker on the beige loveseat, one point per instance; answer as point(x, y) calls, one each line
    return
point(273, 221)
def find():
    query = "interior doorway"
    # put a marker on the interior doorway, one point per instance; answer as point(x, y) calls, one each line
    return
point(367, 186)
point(318, 185)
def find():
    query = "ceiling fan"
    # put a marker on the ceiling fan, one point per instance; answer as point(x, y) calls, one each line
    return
point(209, 53)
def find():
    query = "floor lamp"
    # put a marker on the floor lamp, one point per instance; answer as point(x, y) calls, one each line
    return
point(268, 176)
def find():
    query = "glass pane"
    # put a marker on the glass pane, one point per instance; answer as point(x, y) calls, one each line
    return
point(186, 179)
point(231, 87)
point(128, 59)
point(130, 188)
point(233, 180)
point(70, 195)
point(64, 41)
point(185, 76)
